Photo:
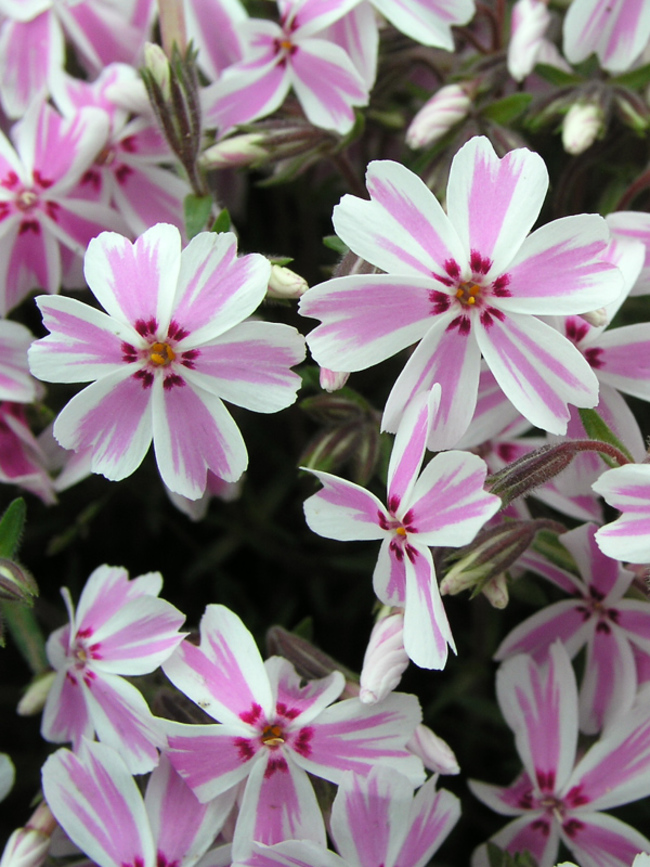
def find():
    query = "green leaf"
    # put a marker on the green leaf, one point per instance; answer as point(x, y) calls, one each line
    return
point(336, 244)
point(196, 212)
point(636, 79)
point(557, 76)
point(505, 110)
point(281, 260)
point(11, 528)
point(26, 633)
point(223, 222)
point(597, 429)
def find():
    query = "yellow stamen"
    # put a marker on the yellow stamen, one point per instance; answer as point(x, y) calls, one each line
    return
point(400, 531)
point(272, 736)
point(286, 44)
point(162, 354)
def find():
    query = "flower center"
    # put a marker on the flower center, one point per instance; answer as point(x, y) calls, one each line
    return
point(272, 736)
point(468, 293)
point(161, 354)
point(106, 157)
point(26, 200)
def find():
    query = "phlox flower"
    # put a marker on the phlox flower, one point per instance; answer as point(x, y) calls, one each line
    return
point(291, 54)
point(556, 799)
point(445, 505)
point(43, 225)
point(128, 172)
point(120, 627)
point(613, 628)
point(375, 820)
point(22, 459)
point(32, 42)
point(273, 731)
point(628, 490)
point(465, 285)
point(170, 346)
point(98, 804)
point(617, 31)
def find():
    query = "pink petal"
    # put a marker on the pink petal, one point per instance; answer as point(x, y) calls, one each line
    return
point(598, 571)
point(292, 853)
point(93, 794)
point(327, 84)
point(102, 33)
point(609, 684)
point(539, 370)
point(66, 717)
point(225, 676)
point(344, 511)
point(427, 21)
point(15, 382)
point(107, 591)
point(279, 804)
point(349, 338)
point(627, 489)
point(540, 704)
point(621, 358)
point(31, 53)
point(426, 628)
point(449, 505)
point(389, 577)
point(566, 620)
point(250, 365)
point(111, 417)
point(599, 840)
point(29, 259)
point(513, 800)
point(409, 447)
point(451, 359)
point(193, 432)
point(616, 31)
point(213, 27)
point(146, 195)
point(114, 268)
point(299, 701)
point(402, 229)
point(494, 202)
point(634, 618)
point(312, 16)
point(433, 815)
point(537, 833)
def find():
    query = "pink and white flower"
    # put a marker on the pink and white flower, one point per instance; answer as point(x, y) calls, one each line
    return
point(291, 54)
point(465, 285)
point(273, 732)
point(375, 820)
point(615, 630)
point(43, 225)
point(628, 490)
point(556, 799)
point(98, 804)
point(446, 505)
point(172, 343)
point(22, 460)
point(617, 31)
point(427, 21)
point(120, 627)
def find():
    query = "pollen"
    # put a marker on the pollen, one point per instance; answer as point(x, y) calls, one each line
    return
point(161, 354)
point(467, 293)
point(400, 531)
point(286, 44)
point(272, 736)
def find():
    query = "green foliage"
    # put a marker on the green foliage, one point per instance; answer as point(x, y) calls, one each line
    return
point(12, 525)
point(500, 858)
point(598, 429)
point(508, 109)
point(223, 222)
point(197, 211)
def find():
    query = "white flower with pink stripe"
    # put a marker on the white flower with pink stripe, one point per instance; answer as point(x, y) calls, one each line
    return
point(464, 284)
point(446, 506)
point(617, 31)
point(172, 343)
point(628, 490)
point(274, 731)
point(120, 627)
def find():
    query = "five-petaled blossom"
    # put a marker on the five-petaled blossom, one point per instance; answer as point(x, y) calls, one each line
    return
point(98, 804)
point(375, 820)
point(615, 630)
point(274, 731)
point(446, 505)
point(120, 627)
point(555, 799)
point(464, 285)
point(170, 346)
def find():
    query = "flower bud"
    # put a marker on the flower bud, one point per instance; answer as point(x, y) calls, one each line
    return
point(496, 591)
point(582, 125)
point(529, 23)
point(238, 150)
point(385, 659)
point(16, 584)
point(156, 62)
point(28, 846)
point(445, 109)
point(285, 283)
point(7, 775)
point(332, 380)
point(436, 754)
point(33, 700)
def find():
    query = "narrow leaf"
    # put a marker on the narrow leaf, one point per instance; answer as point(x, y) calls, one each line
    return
point(597, 429)
point(196, 212)
point(11, 528)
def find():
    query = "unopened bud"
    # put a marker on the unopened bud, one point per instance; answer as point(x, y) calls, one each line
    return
point(16, 584)
point(156, 62)
point(597, 318)
point(445, 109)
point(28, 846)
point(285, 283)
point(238, 150)
point(33, 700)
point(496, 591)
point(582, 125)
point(529, 23)
point(332, 380)
point(385, 660)
point(436, 754)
